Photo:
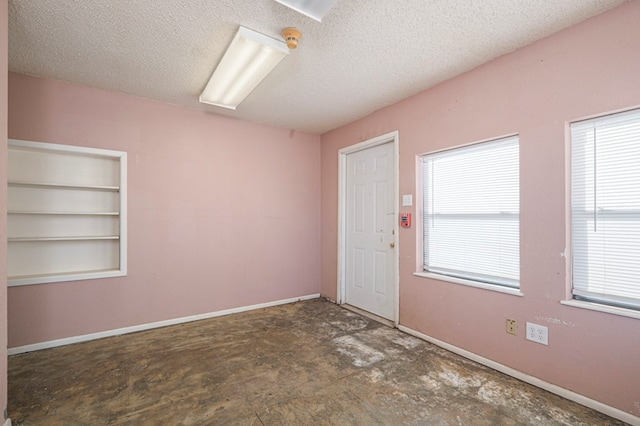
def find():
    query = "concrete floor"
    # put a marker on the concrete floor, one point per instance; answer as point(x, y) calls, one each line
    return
point(300, 364)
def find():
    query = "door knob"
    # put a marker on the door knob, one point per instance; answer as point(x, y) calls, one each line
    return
point(392, 245)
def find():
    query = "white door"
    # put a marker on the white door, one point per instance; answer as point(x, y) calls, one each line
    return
point(369, 230)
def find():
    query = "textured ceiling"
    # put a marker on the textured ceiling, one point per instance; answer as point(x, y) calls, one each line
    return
point(364, 55)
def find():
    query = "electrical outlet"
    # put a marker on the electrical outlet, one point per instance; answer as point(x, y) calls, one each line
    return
point(538, 333)
point(512, 326)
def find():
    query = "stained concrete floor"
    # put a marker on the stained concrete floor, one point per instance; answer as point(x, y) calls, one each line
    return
point(307, 363)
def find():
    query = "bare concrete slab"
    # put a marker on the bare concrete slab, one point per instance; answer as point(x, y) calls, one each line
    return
point(305, 363)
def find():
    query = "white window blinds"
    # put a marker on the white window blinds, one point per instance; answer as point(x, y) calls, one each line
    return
point(605, 206)
point(471, 212)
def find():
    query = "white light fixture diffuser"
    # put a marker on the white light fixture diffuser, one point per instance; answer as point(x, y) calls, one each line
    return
point(251, 56)
point(315, 9)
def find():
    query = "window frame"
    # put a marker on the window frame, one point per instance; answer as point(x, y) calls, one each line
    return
point(610, 304)
point(469, 281)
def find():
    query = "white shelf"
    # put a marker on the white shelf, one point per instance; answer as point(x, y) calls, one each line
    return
point(66, 276)
point(66, 213)
point(33, 239)
point(63, 186)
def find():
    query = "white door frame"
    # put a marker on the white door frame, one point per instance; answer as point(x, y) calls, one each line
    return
point(392, 137)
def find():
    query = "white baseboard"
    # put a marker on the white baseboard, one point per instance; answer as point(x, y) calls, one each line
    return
point(7, 422)
point(565, 393)
point(149, 326)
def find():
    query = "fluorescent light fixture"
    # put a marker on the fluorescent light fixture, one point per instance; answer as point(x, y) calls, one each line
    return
point(315, 9)
point(251, 56)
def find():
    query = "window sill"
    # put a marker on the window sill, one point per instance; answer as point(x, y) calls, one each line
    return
point(602, 308)
point(469, 283)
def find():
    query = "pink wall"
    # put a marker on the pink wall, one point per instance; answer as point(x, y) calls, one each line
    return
point(3, 205)
point(222, 213)
point(591, 68)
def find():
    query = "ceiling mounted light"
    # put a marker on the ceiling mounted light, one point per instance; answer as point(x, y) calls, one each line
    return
point(251, 56)
point(315, 9)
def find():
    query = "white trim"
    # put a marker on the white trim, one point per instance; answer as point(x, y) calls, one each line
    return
point(391, 137)
point(150, 326)
point(470, 283)
point(7, 422)
point(555, 389)
point(464, 145)
point(123, 212)
point(75, 276)
point(602, 308)
point(75, 149)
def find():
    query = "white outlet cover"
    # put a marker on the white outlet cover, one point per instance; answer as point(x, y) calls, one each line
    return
point(407, 200)
point(538, 333)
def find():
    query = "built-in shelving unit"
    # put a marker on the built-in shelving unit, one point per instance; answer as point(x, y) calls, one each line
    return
point(66, 213)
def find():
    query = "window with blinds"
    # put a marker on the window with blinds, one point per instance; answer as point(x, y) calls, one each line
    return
point(471, 212)
point(605, 209)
